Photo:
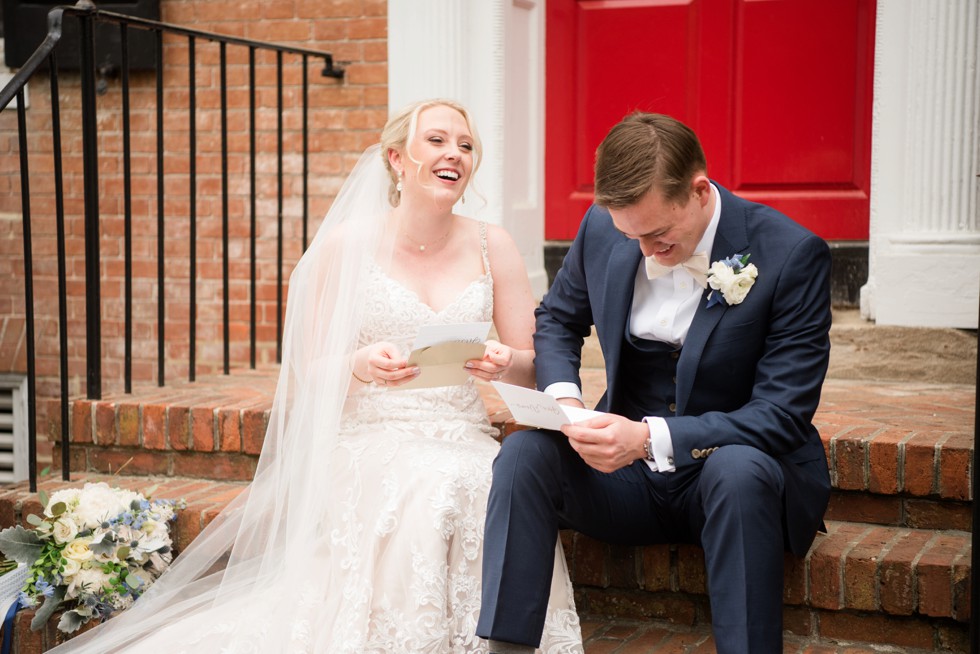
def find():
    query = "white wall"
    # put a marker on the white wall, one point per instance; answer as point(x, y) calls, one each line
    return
point(924, 258)
point(488, 55)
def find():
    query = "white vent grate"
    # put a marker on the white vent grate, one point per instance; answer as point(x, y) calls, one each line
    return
point(13, 428)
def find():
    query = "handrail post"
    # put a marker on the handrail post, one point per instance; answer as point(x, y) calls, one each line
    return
point(90, 164)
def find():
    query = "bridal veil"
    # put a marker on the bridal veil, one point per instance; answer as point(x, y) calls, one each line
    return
point(263, 539)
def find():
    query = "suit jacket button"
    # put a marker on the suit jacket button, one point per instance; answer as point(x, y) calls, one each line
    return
point(672, 407)
point(695, 453)
point(670, 460)
point(675, 355)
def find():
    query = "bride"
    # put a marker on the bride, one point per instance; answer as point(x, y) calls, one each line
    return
point(363, 528)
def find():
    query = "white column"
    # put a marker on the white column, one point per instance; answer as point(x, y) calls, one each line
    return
point(488, 55)
point(925, 194)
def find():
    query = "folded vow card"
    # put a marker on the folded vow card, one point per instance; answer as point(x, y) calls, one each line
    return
point(440, 351)
point(536, 409)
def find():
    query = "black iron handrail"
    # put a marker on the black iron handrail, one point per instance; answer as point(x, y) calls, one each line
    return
point(87, 14)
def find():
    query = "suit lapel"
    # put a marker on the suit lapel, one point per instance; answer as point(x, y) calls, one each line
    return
point(621, 270)
point(731, 237)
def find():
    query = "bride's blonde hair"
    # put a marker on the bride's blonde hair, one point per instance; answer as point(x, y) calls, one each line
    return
point(400, 129)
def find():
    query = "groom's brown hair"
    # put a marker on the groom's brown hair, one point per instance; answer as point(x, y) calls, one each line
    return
point(642, 151)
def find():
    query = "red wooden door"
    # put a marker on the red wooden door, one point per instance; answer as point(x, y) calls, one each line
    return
point(779, 92)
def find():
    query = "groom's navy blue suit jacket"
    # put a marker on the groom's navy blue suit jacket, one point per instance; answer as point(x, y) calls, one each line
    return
point(748, 374)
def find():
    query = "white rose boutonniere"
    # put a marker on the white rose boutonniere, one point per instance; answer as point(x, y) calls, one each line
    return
point(732, 278)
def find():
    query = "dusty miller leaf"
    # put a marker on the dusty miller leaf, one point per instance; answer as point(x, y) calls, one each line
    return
point(47, 609)
point(19, 544)
point(70, 622)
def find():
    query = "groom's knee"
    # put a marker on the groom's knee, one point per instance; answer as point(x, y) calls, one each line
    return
point(527, 450)
point(740, 471)
point(528, 459)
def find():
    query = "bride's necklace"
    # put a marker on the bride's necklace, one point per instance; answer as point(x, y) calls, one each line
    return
point(423, 246)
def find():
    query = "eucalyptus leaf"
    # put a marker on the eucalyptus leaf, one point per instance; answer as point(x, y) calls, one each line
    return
point(58, 508)
point(34, 520)
point(21, 545)
point(43, 497)
point(47, 609)
point(70, 622)
point(148, 493)
point(123, 553)
point(134, 582)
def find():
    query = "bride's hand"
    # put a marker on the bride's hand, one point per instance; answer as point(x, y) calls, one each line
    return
point(384, 365)
point(497, 359)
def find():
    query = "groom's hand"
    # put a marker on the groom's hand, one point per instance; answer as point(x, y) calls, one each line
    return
point(608, 442)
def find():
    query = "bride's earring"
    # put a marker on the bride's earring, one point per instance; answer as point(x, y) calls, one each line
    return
point(464, 199)
point(398, 186)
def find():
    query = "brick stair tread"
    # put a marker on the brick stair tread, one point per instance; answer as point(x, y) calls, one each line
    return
point(854, 567)
point(894, 570)
point(899, 440)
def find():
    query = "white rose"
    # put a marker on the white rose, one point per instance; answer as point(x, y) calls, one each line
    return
point(96, 504)
point(69, 496)
point(87, 580)
point(720, 276)
point(741, 284)
point(78, 550)
point(69, 567)
point(64, 530)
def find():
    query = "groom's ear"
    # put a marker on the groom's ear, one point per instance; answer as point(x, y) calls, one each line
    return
point(701, 187)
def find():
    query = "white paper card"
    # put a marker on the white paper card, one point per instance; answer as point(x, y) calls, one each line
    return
point(440, 352)
point(470, 332)
point(536, 409)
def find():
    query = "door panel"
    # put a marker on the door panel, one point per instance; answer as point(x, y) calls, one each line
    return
point(778, 90)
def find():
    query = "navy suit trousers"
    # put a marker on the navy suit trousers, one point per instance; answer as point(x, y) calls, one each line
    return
point(731, 505)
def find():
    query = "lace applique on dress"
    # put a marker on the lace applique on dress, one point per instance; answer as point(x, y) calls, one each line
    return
point(399, 566)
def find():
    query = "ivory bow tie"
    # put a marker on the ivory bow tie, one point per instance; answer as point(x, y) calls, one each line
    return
point(696, 265)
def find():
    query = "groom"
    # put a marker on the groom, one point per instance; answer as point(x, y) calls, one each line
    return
point(710, 395)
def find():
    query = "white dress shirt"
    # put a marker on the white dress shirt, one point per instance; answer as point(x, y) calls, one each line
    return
point(662, 310)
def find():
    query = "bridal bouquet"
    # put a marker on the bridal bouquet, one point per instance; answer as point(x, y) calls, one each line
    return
point(95, 550)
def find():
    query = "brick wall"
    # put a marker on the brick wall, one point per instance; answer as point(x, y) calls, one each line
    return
point(345, 116)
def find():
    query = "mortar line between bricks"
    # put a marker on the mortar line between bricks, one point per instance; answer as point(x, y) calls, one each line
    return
point(139, 423)
point(915, 568)
point(901, 471)
point(842, 563)
point(885, 551)
point(937, 463)
point(866, 462)
point(964, 553)
point(832, 464)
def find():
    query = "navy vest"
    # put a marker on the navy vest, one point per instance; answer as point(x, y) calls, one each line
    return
point(647, 384)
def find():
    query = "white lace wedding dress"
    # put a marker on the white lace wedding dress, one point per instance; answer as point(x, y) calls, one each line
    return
point(398, 567)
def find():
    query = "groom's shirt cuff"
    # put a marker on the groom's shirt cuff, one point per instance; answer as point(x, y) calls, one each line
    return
point(560, 390)
point(663, 447)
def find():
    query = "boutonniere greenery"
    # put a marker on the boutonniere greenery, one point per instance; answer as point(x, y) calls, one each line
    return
point(731, 280)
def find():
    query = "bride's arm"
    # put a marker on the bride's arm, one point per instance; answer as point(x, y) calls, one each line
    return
point(513, 306)
point(381, 363)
